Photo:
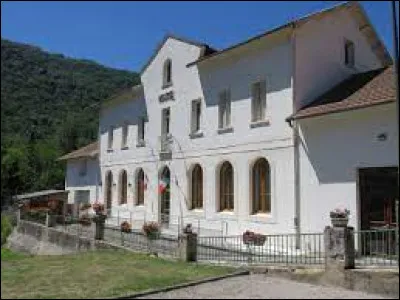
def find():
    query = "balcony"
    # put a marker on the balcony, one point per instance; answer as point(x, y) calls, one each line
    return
point(165, 146)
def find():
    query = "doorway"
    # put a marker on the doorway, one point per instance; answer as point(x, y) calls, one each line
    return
point(378, 194)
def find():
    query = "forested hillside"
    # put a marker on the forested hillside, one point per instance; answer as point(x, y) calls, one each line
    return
point(48, 108)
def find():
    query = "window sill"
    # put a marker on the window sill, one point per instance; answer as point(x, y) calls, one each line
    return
point(226, 212)
point(109, 150)
point(140, 144)
point(196, 135)
point(196, 210)
point(262, 218)
point(225, 130)
point(166, 85)
point(261, 123)
point(139, 206)
point(124, 148)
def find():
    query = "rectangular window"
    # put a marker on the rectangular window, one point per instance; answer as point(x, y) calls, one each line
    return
point(258, 101)
point(196, 116)
point(83, 167)
point(349, 54)
point(124, 135)
point(224, 109)
point(141, 123)
point(110, 137)
point(165, 117)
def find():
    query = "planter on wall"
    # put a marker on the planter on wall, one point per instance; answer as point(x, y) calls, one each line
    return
point(339, 222)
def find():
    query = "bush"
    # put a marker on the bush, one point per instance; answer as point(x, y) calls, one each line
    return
point(6, 228)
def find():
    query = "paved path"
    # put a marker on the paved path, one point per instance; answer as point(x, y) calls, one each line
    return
point(260, 287)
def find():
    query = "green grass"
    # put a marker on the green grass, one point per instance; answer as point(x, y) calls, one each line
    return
point(93, 274)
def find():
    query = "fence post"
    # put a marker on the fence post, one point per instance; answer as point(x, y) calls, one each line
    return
point(118, 218)
point(339, 248)
point(18, 215)
point(188, 247)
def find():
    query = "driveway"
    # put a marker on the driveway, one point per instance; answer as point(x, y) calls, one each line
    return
point(260, 286)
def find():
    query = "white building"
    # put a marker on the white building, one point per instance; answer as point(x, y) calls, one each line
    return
point(268, 135)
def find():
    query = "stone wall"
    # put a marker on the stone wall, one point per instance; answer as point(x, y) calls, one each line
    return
point(37, 239)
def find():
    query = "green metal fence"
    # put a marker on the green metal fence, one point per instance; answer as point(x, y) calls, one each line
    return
point(376, 248)
point(273, 249)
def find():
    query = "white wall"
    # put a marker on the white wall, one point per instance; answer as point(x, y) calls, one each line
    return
point(320, 55)
point(241, 147)
point(334, 146)
point(74, 181)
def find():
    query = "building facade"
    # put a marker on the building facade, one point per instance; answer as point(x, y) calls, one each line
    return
point(218, 139)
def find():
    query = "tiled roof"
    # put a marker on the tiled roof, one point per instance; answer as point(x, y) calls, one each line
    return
point(90, 150)
point(359, 91)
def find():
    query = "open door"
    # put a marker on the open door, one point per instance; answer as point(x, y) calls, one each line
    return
point(378, 194)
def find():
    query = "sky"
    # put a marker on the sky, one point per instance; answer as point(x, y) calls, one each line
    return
point(123, 35)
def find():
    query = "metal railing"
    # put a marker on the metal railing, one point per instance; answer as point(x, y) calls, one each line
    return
point(200, 225)
point(276, 249)
point(376, 248)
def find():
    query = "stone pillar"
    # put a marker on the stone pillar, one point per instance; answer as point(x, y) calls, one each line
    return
point(188, 247)
point(50, 219)
point(18, 216)
point(99, 220)
point(339, 248)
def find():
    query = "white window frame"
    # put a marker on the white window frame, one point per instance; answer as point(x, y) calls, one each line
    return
point(110, 138)
point(83, 167)
point(167, 72)
point(196, 116)
point(141, 132)
point(349, 55)
point(124, 135)
point(258, 101)
point(165, 122)
point(224, 109)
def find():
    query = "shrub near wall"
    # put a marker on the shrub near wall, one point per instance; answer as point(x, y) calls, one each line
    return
point(6, 228)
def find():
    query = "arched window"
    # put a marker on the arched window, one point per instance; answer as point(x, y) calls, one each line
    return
point(108, 190)
point(226, 187)
point(197, 187)
point(123, 187)
point(167, 73)
point(261, 187)
point(140, 187)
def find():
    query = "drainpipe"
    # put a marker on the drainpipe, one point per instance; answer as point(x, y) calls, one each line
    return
point(295, 135)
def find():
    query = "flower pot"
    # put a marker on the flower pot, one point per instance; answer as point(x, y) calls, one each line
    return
point(339, 222)
point(153, 235)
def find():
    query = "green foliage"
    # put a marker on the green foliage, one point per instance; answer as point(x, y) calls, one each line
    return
point(6, 229)
point(49, 107)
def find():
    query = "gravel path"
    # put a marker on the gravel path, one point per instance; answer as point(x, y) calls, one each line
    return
point(260, 287)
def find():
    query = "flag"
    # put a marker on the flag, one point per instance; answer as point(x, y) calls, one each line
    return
point(162, 186)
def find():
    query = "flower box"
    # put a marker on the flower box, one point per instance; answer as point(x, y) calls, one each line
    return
point(339, 217)
point(151, 230)
point(126, 227)
point(85, 220)
point(85, 206)
point(251, 238)
point(98, 208)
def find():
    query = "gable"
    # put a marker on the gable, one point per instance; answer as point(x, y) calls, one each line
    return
point(205, 49)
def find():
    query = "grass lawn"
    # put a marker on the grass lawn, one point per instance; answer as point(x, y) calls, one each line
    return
point(93, 274)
